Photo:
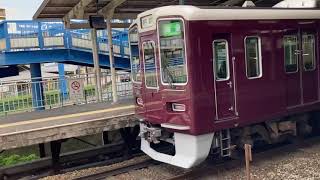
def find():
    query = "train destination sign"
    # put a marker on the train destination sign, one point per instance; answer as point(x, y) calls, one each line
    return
point(170, 29)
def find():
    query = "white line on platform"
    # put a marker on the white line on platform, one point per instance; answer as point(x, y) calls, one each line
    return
point(27, 122)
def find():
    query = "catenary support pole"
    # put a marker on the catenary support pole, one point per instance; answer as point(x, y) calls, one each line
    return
point(112, 64)
point(36, 87)
point(96, 63)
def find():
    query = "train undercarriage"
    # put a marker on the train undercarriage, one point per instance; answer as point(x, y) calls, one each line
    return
point(192, 150)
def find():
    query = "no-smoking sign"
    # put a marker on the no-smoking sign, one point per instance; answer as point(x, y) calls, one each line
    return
point(75, 85)
point(76, 88)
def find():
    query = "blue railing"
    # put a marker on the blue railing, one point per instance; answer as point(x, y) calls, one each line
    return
point(42, 35)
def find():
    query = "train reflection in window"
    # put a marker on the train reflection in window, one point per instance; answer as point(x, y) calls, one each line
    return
point(135, 59)
point(308, 49)
point(172, 50)
point(253, 57)
point(290, 53)
point(221, 59)
point(150, 70)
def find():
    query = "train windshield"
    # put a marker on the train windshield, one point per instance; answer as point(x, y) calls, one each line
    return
point(172, 49)
point(134, 58)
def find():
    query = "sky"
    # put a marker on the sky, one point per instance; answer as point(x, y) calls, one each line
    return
point(20, 9)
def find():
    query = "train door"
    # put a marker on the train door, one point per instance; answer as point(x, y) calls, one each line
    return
point(224, 77)
point(152, 97)
point(300, 67)
point(308, 64)
point(292, 69)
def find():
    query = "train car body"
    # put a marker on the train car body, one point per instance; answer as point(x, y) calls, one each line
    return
point(202, 76)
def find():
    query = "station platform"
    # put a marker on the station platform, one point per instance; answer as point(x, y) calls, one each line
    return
point(30, 128)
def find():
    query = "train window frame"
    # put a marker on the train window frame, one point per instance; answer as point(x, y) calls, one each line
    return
point(137, 82)
point(314, 52)
point(185, 51)
point(297, 56)
point(227, 60)
point(260, 57)
point(155, 62)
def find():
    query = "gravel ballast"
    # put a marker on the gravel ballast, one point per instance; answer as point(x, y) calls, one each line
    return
point(295, 164)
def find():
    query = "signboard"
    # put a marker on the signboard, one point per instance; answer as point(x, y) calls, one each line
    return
point(146, 21)
point(76, 89)
point(97, 22)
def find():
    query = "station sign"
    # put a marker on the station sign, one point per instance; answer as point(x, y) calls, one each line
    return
point(97, 22)
point(76, 90)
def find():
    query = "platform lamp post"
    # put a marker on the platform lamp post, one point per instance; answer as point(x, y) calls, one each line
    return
point(112, 63)
point(95, 52)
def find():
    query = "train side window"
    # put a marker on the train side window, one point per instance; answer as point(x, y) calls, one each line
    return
point(221, 60)
point(290, 44)
point(253, 57)
point(134, 55)
point(308, 49)
point(150, 67)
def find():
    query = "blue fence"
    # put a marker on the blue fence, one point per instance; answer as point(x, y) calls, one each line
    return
point(40, 35)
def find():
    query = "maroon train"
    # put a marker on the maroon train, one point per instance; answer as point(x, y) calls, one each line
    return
point(207, 79)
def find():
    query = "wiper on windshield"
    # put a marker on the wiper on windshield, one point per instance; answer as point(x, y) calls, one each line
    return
point(171, 77)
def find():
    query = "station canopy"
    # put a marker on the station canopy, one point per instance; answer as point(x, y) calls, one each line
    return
point(123, 9)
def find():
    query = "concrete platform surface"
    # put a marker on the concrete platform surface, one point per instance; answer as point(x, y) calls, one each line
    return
point(71, 121)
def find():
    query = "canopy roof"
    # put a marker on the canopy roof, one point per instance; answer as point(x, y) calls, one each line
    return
point(124, 9)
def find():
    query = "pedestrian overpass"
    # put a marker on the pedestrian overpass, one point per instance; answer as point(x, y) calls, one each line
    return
point(36, 42)
point(28, 42)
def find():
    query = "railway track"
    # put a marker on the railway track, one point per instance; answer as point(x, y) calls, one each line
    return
point(124, 169)
point(208, 169)
point(84, 159)
point(105, 155)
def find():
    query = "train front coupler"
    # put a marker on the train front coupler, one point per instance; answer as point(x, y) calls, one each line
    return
point(150, 134)
point(190, 150)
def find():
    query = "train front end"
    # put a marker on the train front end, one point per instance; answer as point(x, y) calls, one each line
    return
point(163, 91)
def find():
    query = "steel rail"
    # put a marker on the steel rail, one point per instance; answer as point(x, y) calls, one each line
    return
point(75, 159)
point(210, 169)
point(103, 175)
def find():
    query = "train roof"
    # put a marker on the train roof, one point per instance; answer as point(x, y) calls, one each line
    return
point(193, 13)
point(196, 13)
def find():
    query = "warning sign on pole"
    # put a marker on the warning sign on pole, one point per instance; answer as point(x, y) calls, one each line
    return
point(76, 88)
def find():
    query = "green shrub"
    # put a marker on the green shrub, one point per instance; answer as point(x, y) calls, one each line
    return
point(16, 159)
point(17, 103)
point(90, 90)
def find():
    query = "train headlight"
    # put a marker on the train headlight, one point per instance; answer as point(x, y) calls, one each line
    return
point(178, 107)
point(139, 101)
